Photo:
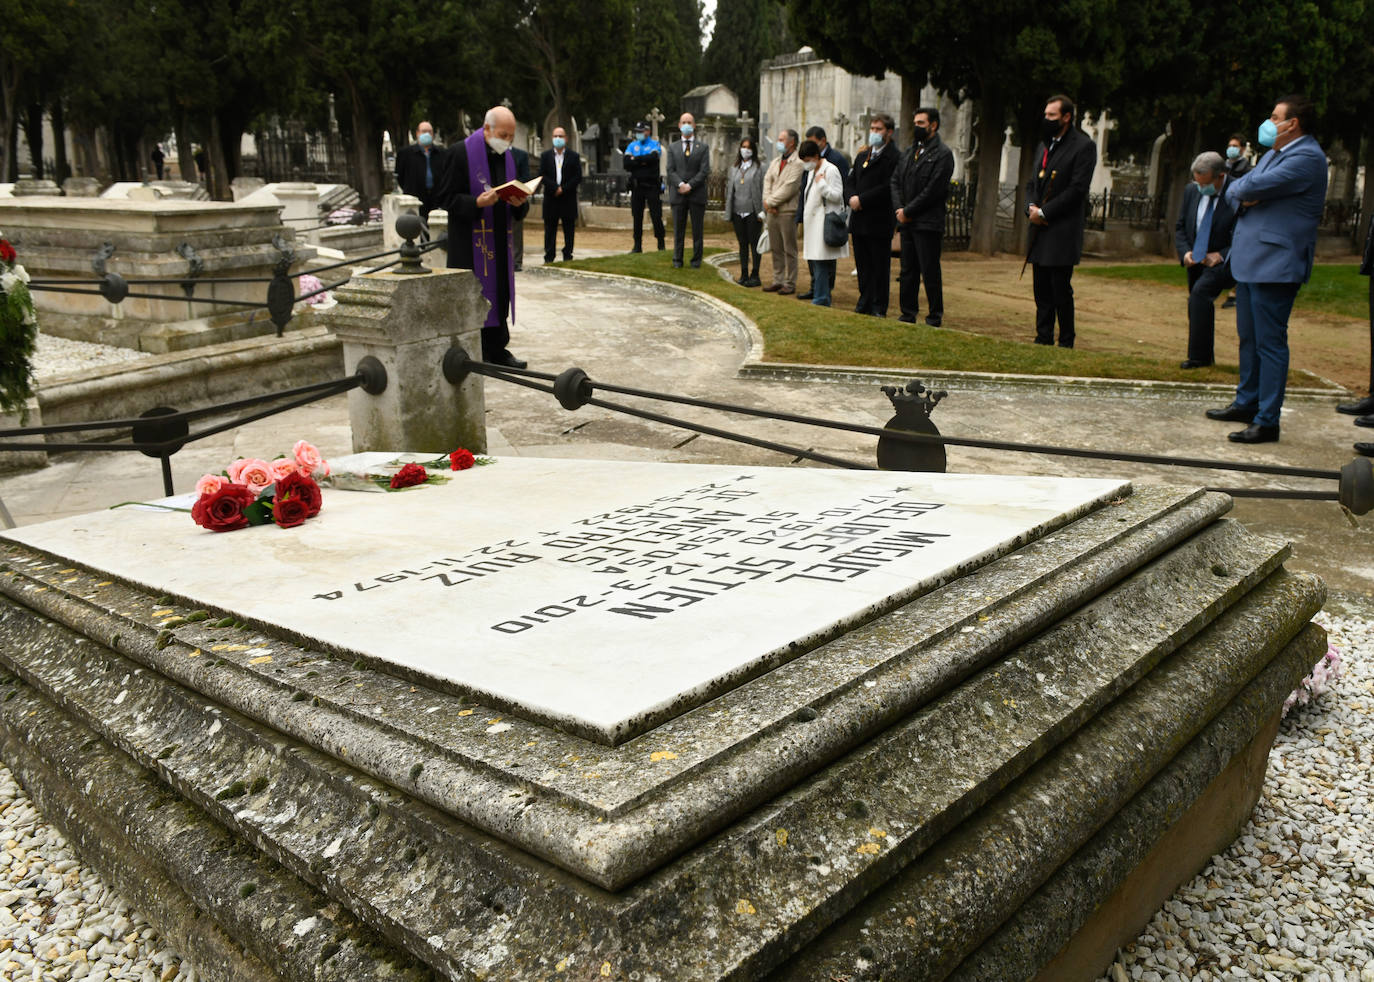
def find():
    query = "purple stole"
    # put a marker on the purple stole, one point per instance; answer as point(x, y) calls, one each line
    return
point(484, 226)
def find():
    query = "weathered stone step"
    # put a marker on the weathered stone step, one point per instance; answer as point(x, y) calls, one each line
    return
point(654, 796)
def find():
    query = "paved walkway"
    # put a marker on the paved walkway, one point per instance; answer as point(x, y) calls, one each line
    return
point(623, 332)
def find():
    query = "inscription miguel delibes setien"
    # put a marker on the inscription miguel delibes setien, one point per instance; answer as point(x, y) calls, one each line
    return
point(677, 550)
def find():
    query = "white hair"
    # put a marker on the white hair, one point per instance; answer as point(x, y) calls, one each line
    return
point(1208, 162)
point(490, 118)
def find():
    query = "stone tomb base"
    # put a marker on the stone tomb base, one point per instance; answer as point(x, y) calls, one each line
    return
point(761, 722)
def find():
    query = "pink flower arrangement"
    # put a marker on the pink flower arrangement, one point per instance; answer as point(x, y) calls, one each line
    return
point(309, 284)
point(1325, 671)
point(260, 492)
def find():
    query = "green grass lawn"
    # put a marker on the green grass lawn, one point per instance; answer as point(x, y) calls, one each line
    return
point(797, 332)
point(1336, 288)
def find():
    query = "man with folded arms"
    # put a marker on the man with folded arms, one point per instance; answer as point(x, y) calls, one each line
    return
point(1279, 205)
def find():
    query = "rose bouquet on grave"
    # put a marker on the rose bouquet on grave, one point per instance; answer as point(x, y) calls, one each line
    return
point(18, 331)
point(284, 491)
point(410, 474)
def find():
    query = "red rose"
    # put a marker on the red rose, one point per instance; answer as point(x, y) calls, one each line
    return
point(461, 459)
point(288, 512)
point(409, 476)
point(297, 485)
point(7, 252)
point(222, 510)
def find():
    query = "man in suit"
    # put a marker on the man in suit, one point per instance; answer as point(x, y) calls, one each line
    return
point(1056, 204)
point(689, 165)
point(781, 194)
point(919, 188)
point(561, 170)
point(1202, 239)
point(522, 173)
point(1278, 207)
point(841, 162)
point(1364, 408)
point(871, 220)
point(420, 168)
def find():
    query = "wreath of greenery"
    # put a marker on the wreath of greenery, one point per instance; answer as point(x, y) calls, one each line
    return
point(18, 332)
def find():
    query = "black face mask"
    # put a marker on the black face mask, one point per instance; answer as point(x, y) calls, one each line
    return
point(1049, 128)
point(922, 134)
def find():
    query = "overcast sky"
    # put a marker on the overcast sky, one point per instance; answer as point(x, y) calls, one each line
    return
point(710, 7)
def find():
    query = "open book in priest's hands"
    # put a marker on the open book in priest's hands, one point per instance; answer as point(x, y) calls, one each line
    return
point(515, 189)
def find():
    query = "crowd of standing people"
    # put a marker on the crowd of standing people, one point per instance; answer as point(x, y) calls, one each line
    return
point(1243, 225)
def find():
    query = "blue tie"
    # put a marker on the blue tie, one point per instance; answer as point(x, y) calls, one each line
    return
point(1204, 232)
point(429, 174)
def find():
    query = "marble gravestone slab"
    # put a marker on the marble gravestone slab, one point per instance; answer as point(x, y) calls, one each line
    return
point(598, 597)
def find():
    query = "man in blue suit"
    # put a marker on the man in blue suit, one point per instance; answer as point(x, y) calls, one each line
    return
point(1278, 205)
point(1202, 239)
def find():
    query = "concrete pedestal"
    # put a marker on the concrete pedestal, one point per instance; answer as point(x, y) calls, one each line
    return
point(407, 322)
point(393, 206)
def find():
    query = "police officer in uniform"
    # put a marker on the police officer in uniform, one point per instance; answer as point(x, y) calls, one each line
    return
point(642, 158)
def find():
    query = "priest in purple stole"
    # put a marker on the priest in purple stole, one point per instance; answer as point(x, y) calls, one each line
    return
point(480, 225)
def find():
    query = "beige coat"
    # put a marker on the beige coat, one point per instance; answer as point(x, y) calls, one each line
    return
point(780, 190)
point(824, 194)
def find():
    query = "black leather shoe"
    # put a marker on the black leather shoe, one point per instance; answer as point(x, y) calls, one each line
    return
point(696, 264)
point(677, 264)
point(1228, 302)
point(1362, 407)
point(510, 361)
point(1254, 433)
point(933, 321)
point(1193, 363)
point(636, 249)
point(907, 319)
point(661, 246)
point(1365, 421)
point(808, 295)
point(1232, 414)
point(1365, 449)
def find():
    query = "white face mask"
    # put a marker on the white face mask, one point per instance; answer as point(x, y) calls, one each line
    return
point(497, 144)
point(809, 165)
point(746, 153)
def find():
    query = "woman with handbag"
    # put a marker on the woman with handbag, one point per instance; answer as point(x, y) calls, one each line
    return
point(744, 204)
point(824, 220)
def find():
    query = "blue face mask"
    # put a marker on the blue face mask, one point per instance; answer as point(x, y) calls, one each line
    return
point(1207, 190)
point(1268, 133)
point(425, 139)
point(875, 139)
point(641, 137)
point(559, 143)
point(686, 129)
point(1232, 153)
point(782, 147)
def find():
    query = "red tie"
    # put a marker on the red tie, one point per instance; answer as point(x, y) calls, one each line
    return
point(1045, 159)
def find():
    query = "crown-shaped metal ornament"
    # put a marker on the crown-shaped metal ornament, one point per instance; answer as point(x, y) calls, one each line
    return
point(913, 404)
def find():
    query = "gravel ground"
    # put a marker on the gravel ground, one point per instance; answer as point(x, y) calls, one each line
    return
point(1293, 898)
point(58, 356)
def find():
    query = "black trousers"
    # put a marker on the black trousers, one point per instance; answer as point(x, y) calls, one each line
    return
point(747, 229)
point(639, 197)
point(1053, 298)
point(921, 261)
point(494, 342)
point(568, 217)
point(681, 212)
point(1205, 284)
point(873, 261)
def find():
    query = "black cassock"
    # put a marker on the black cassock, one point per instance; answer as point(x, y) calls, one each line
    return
point(455, 196)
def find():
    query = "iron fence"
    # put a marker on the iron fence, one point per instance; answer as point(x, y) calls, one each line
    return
point(1341, 216)
point(300, 156)
point(959, 215)
point(1141, 211)
point(605, 189)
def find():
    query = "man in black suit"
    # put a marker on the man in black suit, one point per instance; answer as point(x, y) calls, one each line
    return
point(522, 173)
point(1056, 204)
point(919, 189)
point(561, 170)
point(1202, 239)
point(689, 165)
point(871, 220)
point(1364, 408)
point(841, 162)
point(420, 168)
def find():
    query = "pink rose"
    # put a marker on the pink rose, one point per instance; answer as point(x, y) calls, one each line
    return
point(255, 474)
point(209, 484)
point(309, 460)
point(283, 466)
